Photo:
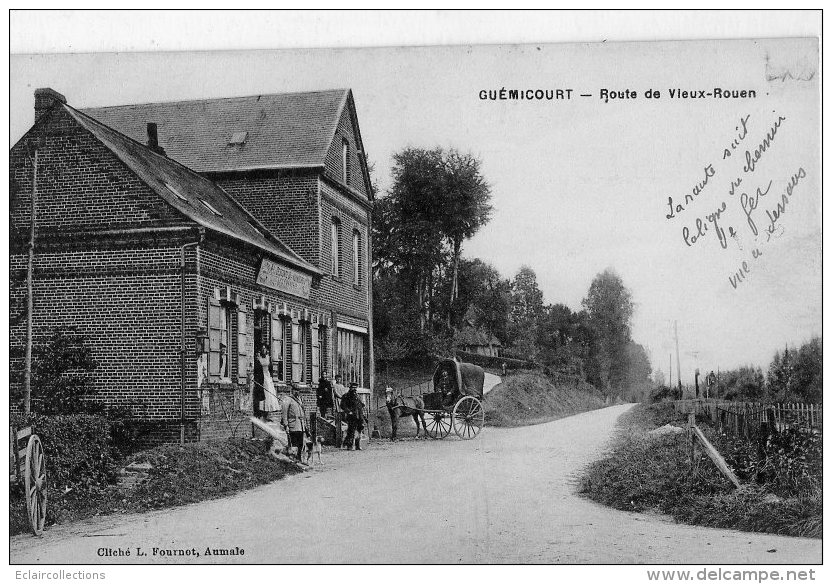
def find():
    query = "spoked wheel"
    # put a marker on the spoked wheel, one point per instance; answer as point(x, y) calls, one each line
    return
point(35, 484)
point(468, 417)
point(438, 424)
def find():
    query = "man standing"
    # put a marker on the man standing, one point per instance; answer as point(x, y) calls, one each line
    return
point(293, 420)
point(325, 400)
point(353, 409)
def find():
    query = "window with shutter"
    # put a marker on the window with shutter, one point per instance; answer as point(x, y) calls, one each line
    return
point(214, 339)
point(297, 352)
point(316, 354)
point(243, 351)
point(278, 359)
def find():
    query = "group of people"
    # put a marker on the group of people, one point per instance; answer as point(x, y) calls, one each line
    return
point(292, 413)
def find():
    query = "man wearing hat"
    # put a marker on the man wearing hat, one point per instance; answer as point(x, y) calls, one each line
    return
point(353, 409)
point(293, 420)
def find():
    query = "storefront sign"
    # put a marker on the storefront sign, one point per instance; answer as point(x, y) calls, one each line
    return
point(279, 278)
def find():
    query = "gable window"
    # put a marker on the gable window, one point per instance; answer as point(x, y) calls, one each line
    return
point(356, 258)
point(336, 252)
point(345, 160)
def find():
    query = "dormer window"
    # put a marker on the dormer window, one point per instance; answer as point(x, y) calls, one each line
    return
point(345, 160)
point(179, 195)
point(210, 208)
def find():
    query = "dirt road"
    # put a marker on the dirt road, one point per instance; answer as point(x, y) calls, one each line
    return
point(506, 496)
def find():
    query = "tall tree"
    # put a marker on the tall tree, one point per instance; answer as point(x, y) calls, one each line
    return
point(526, 312)
point(407, 223)
point(467, 207)
point(610, 308)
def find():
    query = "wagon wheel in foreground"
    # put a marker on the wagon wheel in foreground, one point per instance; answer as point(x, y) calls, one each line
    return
point(35, 484)
point(468, 417)
point(438, 424)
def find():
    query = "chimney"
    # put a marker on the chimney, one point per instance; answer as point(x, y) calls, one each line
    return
point(153, 139)
point(45, 98)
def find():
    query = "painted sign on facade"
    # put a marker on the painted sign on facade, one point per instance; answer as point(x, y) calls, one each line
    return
point(283, 279)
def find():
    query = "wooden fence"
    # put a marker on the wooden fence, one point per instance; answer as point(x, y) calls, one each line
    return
point(748, 418)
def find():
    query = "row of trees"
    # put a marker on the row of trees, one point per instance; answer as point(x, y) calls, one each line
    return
point(423, 287)
point(793, 375)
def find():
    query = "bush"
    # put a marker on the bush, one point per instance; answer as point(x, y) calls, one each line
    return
point(653, 473)
point(78, 450)
point(664, 393)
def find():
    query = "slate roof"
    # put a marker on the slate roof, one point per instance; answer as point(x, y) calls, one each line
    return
point(171, 181)
point(287, 130)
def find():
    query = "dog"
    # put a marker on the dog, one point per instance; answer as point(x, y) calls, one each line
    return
point(312, 447)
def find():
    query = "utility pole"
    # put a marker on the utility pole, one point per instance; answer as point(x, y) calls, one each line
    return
point(670, 370)
point(27, 374)
point(678, 366)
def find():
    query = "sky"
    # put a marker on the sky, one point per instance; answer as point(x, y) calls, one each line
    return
point(578, 185)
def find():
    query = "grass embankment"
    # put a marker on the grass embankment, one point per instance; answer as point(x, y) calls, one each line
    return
point(178, 476)
point(644, 473)
point(532, 398)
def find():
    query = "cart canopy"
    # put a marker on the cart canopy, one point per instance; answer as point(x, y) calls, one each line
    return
point(466, 377)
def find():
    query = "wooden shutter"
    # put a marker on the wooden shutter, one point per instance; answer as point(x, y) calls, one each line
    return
point(316, 354)
point(297, 352)
point(243, 353)
point(278, 360)
point(214, 339)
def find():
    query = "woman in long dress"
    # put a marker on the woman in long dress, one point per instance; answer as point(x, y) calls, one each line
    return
point(270, 401)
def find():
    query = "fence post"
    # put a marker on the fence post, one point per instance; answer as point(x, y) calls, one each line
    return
point(691, 424)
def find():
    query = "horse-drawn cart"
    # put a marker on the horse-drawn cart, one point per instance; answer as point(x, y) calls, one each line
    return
point(27, 467)
point(455, 403)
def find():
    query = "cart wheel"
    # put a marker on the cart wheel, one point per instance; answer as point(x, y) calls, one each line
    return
point(438, 424)
point(35, 483)
point(468, 417)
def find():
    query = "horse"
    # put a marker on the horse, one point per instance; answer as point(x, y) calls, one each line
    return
point(406, 406)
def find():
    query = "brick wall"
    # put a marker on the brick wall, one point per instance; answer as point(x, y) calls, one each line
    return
point(333, 160)
point(130, 317)
point(81, 184)
point(286, 203)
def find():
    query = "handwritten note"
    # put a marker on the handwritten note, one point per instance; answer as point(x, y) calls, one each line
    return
point(739, 180)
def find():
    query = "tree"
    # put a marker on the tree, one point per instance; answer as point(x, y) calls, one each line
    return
point(610, 308)
point(526, 312)
point(467, 207)
point(482, 287)
point(808, 371)
point(407, 223)
point(562, 339)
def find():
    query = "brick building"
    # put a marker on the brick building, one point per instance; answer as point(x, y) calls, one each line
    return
point(178, 237)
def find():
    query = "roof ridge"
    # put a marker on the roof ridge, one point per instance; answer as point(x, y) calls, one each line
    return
point(215, 99)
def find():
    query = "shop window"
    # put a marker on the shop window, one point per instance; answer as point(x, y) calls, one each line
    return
point(350, 357)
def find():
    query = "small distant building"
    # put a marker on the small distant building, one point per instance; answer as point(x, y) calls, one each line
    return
point(180, 237)
point(474, 339)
